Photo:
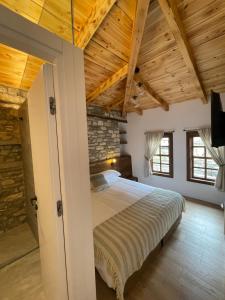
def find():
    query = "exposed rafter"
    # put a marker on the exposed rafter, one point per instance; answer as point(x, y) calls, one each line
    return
point(160, 57)
point(114, 104)
point(117, 102)
point(156, 98)
point(116, 77)
point(170, 11)
point(98, 14)
point(139, 111)
point(137, 34)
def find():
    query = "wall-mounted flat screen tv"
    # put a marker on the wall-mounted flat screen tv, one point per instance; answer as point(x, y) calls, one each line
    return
point(217, 121)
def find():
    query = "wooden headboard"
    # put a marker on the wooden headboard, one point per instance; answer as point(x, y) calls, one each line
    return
point(123, 165)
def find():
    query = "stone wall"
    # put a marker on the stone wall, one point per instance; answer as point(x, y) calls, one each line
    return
point(28, 168)
point(12, 199)
point(9, 127)
point(103, 134)
point(11, 97)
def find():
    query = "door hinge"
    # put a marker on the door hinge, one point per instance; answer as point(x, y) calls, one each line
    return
point(52, 105)
point(59, 208)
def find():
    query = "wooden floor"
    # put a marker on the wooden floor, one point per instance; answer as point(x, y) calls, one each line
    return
point(20, 269)
point(191, 265)
point(16, 243)
point(21, 280)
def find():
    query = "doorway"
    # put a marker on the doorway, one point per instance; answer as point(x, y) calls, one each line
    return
point(68, 68)
point(30, 226)
point(20, 272)
point(16, 236)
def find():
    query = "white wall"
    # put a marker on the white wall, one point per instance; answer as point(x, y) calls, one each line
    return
point(182, 115)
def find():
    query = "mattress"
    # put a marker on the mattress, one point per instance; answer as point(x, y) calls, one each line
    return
point(119, 196)
point(130, 219)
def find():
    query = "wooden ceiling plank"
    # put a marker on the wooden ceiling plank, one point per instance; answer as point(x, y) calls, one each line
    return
point(115, 78)
point(170, 11)
point(98, 14)
point(23, 77)
point(137, 34)
point(114, 103)
point(29, 9)
point(82, 9)
point(155, 97)
point(102, 57)
point(24, 71)
point(114, 34)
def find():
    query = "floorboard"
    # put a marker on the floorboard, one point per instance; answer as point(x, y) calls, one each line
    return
point(16, 243)
point(21, 280)
point(190, 266)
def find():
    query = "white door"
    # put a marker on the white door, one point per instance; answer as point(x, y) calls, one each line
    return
point(44, 147)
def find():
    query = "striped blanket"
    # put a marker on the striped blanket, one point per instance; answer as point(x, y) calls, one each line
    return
point(124, 241)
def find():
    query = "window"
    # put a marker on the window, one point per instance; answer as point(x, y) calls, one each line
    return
point(201, 167)
point(162, 162)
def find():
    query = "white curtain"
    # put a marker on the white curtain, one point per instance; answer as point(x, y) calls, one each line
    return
point(218, 155)
point(152, 143)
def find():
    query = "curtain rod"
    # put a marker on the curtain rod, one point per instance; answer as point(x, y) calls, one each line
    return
point(166, 131)
point(195, 129)
point(191, 129)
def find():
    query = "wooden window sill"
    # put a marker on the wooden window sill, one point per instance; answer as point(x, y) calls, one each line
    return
point(163, 175)
point(196, 180)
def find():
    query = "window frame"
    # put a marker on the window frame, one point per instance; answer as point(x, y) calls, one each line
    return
point(190, 158)
point(171, 166)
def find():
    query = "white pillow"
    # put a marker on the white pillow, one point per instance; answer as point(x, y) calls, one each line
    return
point(111, 172)
point(111, 176)
point(98, 182)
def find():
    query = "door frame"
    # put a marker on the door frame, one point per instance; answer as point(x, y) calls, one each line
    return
point(68, 65)
point(44, 146)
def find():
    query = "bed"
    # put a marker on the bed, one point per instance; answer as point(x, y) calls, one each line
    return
point(130, 219)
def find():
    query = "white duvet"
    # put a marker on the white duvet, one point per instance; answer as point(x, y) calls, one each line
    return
point(119, 196)
point(120, 251)
point(111, 201)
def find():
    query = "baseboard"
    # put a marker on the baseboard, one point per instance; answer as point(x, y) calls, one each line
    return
point(203, 202)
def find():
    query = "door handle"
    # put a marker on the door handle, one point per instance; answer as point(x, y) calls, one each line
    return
point(33, 202)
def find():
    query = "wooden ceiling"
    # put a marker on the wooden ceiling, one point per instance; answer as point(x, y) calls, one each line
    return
point(17, 68)
point(178, 47)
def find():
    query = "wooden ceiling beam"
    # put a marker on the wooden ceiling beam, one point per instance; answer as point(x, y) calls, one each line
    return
point(117, 102)
point(137, 34)
point(155, 97)
point(170, 11)
point(98, 14)
point(139, 111)
point(114, 103)
point(115, 78)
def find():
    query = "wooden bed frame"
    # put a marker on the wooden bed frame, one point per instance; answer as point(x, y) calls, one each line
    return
point(123, 165)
